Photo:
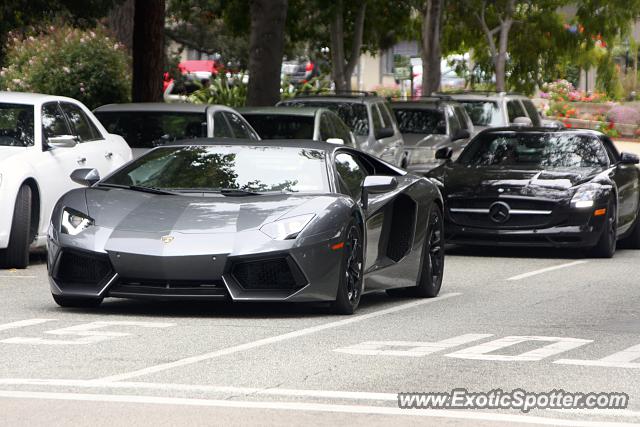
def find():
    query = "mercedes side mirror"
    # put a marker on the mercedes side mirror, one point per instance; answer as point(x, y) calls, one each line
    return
point(522, 121)
point(444, 153)
point(62, 141)
point(384, 133)
point(375, 184)
point(86, 177)
point(629, 158)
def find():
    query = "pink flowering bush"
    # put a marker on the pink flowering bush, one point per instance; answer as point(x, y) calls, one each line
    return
point(85, 65)
point(624, 114)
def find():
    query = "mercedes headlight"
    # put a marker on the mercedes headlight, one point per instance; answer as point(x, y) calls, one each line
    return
point(586, 195)
point(74, 222)
point(286, 228)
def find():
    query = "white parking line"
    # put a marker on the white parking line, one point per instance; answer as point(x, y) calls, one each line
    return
point(18, 277)
point(544, 270)
point(274, 339)
point(23, 323)
point(314, 407)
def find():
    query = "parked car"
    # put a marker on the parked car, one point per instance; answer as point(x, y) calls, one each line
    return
point(43, 139)
point(369, 118)
point(499, 109)
point(147, 125)
point(318, 124)
point(287, 221)
point(194, 75)
point(429, 124)
point(540, 187)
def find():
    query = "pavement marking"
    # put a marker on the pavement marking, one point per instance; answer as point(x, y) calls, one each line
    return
point(313, 407)
point(621, 359)
point(481, 351)
point(18, 277)
point(412, 348)
point(544, 270)
point(23, 323)
point(86, 333)
point(274, 339)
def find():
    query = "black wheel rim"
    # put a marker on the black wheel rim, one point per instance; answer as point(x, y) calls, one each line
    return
point(353, 271)
point(436, 249)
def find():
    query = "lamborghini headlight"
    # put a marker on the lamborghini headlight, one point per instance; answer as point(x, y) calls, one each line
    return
point(287, 228)
point(586, 195)
point(74, 222)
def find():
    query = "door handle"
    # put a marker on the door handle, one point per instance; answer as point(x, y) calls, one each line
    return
point(108, 155)
point(82, 160)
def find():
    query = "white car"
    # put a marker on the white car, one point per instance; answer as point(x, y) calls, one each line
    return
point(43, 139)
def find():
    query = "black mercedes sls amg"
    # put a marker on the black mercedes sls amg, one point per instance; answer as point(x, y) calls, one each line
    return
point(541, 187)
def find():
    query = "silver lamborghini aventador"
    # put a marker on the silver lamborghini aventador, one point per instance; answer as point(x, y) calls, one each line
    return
point(247, 221)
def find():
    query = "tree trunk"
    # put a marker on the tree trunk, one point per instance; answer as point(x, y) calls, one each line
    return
point(342, 68)
point(431, 52)
point(501, 59)
point(148, 50)
point(266, 47)
point(120, 22)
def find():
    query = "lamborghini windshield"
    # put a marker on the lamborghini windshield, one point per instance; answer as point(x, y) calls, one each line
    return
point(253, 169)
point(535, 150)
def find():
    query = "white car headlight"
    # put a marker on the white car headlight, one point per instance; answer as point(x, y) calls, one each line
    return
point(74, 222)
point(586, 195)
point(287, 228)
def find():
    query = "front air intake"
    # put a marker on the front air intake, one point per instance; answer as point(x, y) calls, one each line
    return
point(279, 273)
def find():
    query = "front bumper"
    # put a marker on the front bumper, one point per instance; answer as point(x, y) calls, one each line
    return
point(580, 231)
point(297, 271)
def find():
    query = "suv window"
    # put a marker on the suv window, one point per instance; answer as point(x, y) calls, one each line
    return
point(342, 131)
point(514, 109)
point(326, 128)
point(454, 125)
point(353, 114)
point(239, 128)
point(351, 172)
point(376, 119)
point(84, 128)
point(220, 126)
point(386, 115)
point(53, 121)
point(533, 112)
point(462, 117)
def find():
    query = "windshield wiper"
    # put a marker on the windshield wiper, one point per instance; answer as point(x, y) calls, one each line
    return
point(141, 188)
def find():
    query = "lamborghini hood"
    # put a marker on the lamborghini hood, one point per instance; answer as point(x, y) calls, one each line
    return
point(125, 210)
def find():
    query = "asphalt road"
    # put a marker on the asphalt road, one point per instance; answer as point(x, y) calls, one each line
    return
point(143, 363)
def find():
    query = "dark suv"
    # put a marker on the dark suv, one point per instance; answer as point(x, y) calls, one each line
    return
point(368, 116)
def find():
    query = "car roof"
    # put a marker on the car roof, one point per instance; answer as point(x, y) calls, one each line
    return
point(31, 98)
point(155, 107)
point(422, 104)
point(288, 111)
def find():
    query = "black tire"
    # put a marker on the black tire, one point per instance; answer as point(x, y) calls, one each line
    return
point(78, 302)
point(606, 246)
point(432, 264)
point(351, 271)
point(16, 255)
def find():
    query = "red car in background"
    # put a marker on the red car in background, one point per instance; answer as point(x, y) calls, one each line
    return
point(192, 70)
